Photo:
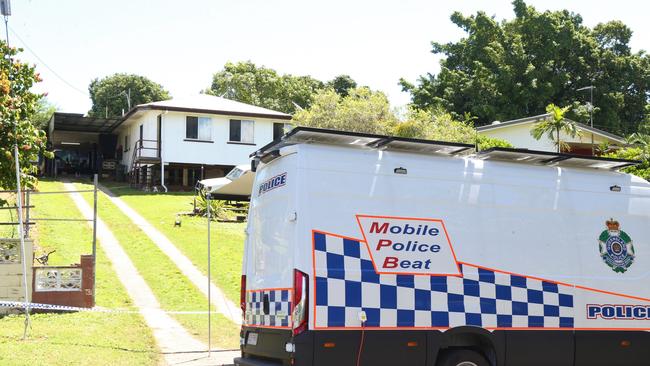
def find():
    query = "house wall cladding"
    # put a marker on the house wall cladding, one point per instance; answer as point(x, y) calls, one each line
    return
point(11, 270)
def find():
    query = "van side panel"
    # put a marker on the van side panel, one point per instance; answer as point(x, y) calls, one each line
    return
point(530, 244)
point(527, 265)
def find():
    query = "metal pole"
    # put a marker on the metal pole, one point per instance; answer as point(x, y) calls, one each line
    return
point(209, 294)
point(21, 235)
point(591, 119)
point(7, 29)
point(94, 233)
point(27, 220)
point(19, 199)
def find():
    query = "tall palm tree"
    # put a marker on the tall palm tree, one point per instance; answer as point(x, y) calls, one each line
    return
point(554, 125)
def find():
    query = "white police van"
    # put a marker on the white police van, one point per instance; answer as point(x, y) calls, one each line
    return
point(376, 250)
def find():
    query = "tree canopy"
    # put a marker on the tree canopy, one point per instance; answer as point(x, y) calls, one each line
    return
point(437, 124)
point(17, 107)
point(367, 111)
point(342, 84)
point(513, 68)
point(362, 110)
point(264, 87)
point(110, 95)
point(43, 113)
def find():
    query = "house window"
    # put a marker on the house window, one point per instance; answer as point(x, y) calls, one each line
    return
point(198, 128)
point(279, 129)
point(242, 131)
point(126, 143)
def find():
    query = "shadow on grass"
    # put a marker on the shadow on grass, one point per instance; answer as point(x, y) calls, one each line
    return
point(118, 188)
point(123, 189)
point(116, 348)
point(68, 344)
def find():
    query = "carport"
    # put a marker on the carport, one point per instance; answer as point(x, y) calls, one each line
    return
point(80, 144)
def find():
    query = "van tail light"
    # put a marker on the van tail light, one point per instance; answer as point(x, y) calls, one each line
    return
point(242, 295)
point(300, 311)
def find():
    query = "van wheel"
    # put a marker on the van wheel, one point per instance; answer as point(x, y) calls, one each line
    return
point(462, 357)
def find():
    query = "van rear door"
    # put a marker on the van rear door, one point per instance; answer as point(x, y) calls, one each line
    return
point(269, 262)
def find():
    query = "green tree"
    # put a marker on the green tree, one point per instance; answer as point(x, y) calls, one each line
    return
point(508, 69)
point(440, 125)
point(639, 153)
point(17, 107)
point(342, 84)
point(110, 95)
point(554, 126)
point(43, 113)
point(362, 110)
point(264, 87)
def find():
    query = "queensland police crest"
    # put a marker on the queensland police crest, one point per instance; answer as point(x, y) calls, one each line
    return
point(616, 247)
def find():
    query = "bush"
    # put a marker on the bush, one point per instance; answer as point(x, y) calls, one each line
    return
point(634, 153)
point(217, 208)
point(484, 142)
point(440, 125)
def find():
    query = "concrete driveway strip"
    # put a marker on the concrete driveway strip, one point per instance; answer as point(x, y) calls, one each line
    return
point(184, 264)
point(177, 345)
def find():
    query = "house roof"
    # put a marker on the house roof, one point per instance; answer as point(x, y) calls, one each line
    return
point(78, 123)
point(541, 117)
point(204, 103)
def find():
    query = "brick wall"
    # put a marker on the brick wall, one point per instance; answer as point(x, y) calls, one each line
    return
point(64, 294)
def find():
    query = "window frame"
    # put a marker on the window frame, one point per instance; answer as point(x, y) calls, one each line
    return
point(241, 123)
point(286, 127)
point(206, 122)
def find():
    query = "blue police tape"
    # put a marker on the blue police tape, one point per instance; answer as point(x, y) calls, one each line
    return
point(41, 306)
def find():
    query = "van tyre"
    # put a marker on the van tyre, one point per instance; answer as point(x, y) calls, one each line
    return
point(462, 357)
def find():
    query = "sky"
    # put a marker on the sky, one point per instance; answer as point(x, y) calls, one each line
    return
point(181, 44)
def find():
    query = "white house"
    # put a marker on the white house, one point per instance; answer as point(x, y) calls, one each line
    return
point(180, 141)
point(171, 144)
point(518, 133)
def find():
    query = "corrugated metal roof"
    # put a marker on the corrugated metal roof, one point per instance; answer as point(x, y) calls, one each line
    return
point(203, 103)
point(77, 122)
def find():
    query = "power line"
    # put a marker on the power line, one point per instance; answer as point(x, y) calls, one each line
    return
point(46, 65)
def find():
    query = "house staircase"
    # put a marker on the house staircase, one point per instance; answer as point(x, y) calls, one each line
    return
point(146, 156)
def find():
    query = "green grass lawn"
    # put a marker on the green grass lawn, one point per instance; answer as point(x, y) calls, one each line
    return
point(191, 238)
point(77, 338)
point(172, 289)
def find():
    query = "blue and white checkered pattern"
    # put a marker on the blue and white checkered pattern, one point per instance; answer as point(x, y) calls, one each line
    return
point(279, 308)
point(346, 284)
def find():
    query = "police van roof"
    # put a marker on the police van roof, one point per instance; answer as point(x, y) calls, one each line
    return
point(306, 135)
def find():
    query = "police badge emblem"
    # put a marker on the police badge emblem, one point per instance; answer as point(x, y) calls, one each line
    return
point(616, 247)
